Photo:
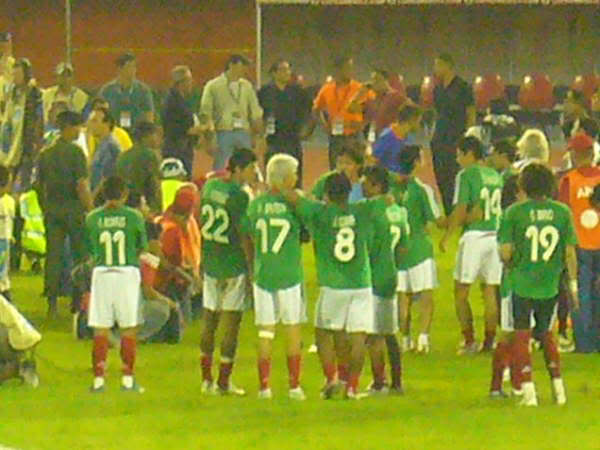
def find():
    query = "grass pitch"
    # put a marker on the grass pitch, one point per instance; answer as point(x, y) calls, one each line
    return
point(445, 405)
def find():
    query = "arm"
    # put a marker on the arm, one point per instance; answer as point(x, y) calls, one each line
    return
point(84, 194)
point(356, 103)
point(152, 294)
point(506, 252)
point(571, 262)
point(456, 219)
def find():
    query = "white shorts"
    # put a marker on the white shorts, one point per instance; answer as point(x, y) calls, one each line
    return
point(285, 305)
point(115, 297)
point(478, 257)
point(422, 277)
point(344, 309)
point(225, 295)
point(385, 315)
point(507, 320)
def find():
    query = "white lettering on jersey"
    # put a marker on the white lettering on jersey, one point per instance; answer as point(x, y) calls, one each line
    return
point(113, 222)
point(541, 214)
point(344, 221)
point(275, 208)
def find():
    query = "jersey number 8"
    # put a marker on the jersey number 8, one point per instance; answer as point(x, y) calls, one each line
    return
point(219, 234)
point(547, 237)
point(344, 249)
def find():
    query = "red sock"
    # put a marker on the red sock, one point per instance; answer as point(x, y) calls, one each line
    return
point(206, 364)
point(99, 352)
point(353, 381)
point(128, 348)
point(468, 335)
point(329, 371)
point(499, 363)
point(225, 369)
point(490, 335)
point(343, 372)
point(515, 378)
point(522, 355)
point(551, 355)
point(294, 364)
point(378, 374)
point(264, 372)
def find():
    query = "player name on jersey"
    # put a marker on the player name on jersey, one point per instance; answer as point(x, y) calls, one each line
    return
point(218, 197)
point(541, 215)
point(344, 221)
point(112, 222)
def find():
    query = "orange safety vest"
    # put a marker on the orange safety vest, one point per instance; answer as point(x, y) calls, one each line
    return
point(586, 218)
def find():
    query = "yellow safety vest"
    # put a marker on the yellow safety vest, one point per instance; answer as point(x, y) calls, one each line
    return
point(33, 237)
point(169, 190)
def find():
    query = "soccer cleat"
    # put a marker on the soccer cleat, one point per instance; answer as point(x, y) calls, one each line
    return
point(565, 345)
point(423, 344)
point(558, 391)
point(468, 349)
point(407, 344)
point(28, 373)
point(382, 391)
point(97, 386)
point(313, 348)
point(529, 394)
point(496, 395)
point(517, 392)
point(330, 390)
point(396, 391)
point(208, 388)
point(265, 394)
point(297, 394)
point(133, 388)
point(487, 347)
point(351, 394)
point(231, 390)
point(97, 390)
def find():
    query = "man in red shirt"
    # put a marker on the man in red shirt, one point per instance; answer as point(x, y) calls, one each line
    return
point(576, 188)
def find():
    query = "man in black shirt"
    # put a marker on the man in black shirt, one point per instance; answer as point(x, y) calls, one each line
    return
point(455, 108)
point(286, 108)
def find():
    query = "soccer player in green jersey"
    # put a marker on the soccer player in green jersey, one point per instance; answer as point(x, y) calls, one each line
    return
point(389, 238)
point(116, 235)
point(477, 186)
point(278, 293)
point(537, 238)
point(350, 162)
point(225, 257)
point(417, 272)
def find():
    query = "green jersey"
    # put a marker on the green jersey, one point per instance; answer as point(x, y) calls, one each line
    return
point(275, 230)
point(389, 235)
point(419, 200)
point(480, 185)
point(224, 203)
point(115, 236)
point(341, 235)
point(318, 191)
point(539, 232)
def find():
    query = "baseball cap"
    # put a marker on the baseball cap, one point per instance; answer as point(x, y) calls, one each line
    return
point(62, 67)
point(172, 168)
point(580, 143)
point(185, 199)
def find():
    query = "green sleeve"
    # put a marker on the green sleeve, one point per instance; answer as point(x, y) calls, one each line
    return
point(462, 191)
point(307, 210)
point(246, 220)
point(403, 243)
point(238, 204)
point(506, 227)
point(318, 191)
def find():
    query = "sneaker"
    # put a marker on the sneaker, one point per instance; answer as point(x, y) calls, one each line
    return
point(529, 394)
point(407, 344)
point(208, 388)
point(134, 388)
point(487, 347)
point(565, 345)
point(496, 395)
point(297, 394)
point(330, 390)
point(372, 391)
point(231, 390)
point(506, 375)
point(313, 348)
point(265, 394)
point(423, 344)
point(517, 392)
point(353, 395)
point(97, 386)
point(28, 373)
point(470, 349)
point(558, 391)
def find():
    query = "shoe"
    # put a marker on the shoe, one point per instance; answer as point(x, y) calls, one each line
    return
point(134, 388)
point(28, 373)
point(265, 394)
point(231, 390)
point(208, 388)
point(423, 344)
point(495, 395)
point(558, 391)
point(517, 392)
point(565, 345)
point(468, 349)
point(351, 394)
point(97, 386)
point(529, 395)
point(407, 345)
point(297, 394)
point(396, 391)
point(330, 390)
point(372, 391)
point(313, 348)
point(487, 347)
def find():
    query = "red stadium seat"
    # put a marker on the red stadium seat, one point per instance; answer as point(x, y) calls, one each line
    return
point(536, 92)
point(427, 92)
point(397, 83)
point(486, 88)
point(588, 84)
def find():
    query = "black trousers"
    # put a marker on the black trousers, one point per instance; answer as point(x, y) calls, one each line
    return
point(445, 168)
point(289, 146)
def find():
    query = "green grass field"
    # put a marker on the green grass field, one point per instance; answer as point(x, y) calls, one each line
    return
point(445, 406)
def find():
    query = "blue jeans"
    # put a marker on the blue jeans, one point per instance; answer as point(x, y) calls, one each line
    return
point(227, 142)
point(586, 321)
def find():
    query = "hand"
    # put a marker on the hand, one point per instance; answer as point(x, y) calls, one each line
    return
point(475, 215)
point(575, 299)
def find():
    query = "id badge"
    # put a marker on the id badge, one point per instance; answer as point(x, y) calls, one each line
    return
point(337, 127)
point(371, 137)
point(125, 120)
point(237, 122)
point(270, 129)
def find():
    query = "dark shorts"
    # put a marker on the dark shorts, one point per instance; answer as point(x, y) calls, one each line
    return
point(543, 310)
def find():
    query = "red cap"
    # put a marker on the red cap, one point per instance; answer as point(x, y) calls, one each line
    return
point(580, 143)
point(185, 200)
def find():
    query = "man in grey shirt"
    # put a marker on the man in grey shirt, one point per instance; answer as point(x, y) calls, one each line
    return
point(230, 103)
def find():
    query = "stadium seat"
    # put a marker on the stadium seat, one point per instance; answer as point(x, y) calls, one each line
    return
point(397, 83)
point(486, 88)
point(427, 92)
point(588, 84)
point(536, 92)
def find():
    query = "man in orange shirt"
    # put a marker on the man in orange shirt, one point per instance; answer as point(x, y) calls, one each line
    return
point(576, 188)
point(331, 107)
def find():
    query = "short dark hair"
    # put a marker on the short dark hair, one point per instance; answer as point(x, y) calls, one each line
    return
point(506, 147)
point(407, 158)
point(578, 97)
point(240, 159)
point(106, 116)
point(468, 144)
point(355, 151)
point(590, 126)
point(447, 58)
point(378, 176)
point(68, 119)
point(144, 129)
point(384, 73)
point(113, 187)
point(235, 59)
point(275, 66)
point(4, 176)
point(124, 59)
point(595, 197)
point(510, 191)
point(537, 181)
point(338, 187)
point(408, 112)
point(339, 61)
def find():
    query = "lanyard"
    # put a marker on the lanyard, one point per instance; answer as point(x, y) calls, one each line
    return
point(344, 98)
point(236, 99)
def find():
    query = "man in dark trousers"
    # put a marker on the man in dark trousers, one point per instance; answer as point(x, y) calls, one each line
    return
point(64, 194)
point(286, 108)
point(455, 109)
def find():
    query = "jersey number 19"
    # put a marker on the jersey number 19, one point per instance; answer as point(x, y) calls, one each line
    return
point(547, 238)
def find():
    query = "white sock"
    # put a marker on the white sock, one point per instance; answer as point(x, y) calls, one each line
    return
point(98, 382)
point(127, 381)
point(424, 338)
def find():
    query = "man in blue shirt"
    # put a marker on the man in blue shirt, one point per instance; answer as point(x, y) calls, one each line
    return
point(101, 124)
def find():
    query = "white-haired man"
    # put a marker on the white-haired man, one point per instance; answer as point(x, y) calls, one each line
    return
point(278, 293)
point(532, 147)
